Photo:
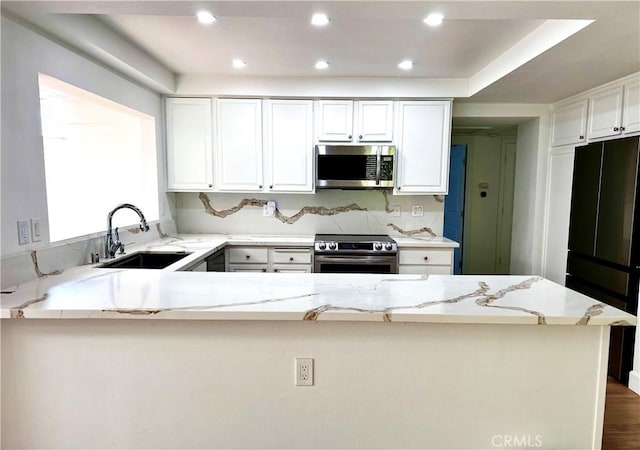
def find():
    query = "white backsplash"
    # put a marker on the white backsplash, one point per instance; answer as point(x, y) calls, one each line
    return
point(327, 211)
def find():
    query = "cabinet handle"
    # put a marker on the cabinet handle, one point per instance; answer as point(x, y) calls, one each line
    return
point(581, 137)
point(360, 137)
point(264, 270)
point(211, 185)
point(350, 136)
point(275, 270)
point(259, 186)
point(399, 187)
point(426, 258)
point(616, 129)
point(291, 259)
point(247, 256)
point(271, 186)
point(622, 128)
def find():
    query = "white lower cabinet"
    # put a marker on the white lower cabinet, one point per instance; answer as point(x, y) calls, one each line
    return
point(425, 261)
point(269, 259)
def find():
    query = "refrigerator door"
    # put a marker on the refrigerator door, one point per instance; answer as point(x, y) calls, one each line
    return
point(614, 233)
point(584, 198)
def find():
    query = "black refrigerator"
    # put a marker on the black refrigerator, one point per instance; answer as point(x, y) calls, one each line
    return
point(604, 236)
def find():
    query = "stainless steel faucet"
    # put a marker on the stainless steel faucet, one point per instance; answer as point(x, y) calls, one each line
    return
point(111, 246)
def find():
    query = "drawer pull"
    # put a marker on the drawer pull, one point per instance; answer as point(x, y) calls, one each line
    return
point(426, 258)
point(264, 270)
point(275, 270)
point(291, 259)
point(247, 256)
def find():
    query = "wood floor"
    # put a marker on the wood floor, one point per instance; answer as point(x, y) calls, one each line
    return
point(621, 418)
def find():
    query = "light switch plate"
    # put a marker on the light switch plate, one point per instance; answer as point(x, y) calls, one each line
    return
point(397, 212)
point(36, 230)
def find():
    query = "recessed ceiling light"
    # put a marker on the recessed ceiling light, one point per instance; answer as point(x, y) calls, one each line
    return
point(322, 65)
point(407, 64)
point(433, 19)
point(206, 17)
point(238, 63)
point(319, 20)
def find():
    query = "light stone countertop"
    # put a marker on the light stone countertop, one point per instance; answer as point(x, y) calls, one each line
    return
point(87, 292)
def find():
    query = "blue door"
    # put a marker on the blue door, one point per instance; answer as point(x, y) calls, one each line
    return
point(454, 202)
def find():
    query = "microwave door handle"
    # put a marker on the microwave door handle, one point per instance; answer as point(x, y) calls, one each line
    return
point(378, 165)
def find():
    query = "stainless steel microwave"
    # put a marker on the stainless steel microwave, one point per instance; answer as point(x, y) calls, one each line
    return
point(355, 166)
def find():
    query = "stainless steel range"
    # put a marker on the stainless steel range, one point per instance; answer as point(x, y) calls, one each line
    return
point(355, 253)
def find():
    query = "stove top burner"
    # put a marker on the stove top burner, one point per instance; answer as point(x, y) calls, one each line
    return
point(361, 244)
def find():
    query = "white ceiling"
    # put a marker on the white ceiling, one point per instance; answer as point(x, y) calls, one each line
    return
point(369, 39)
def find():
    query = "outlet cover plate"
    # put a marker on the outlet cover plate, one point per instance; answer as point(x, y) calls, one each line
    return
point(304, 371)
point(417, 211)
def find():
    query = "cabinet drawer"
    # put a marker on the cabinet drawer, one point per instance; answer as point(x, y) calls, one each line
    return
point(430, 256)
point(248, 255)
point(292, 268)
point(422, 269)
point(292, 256)
point(247, 268)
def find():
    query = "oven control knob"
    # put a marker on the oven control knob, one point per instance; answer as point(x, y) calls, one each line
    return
point(322, 245)
point(388, 246)
point(333, 246)
point(378, 245)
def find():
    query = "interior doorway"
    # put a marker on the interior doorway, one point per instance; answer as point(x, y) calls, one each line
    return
point(486, 212)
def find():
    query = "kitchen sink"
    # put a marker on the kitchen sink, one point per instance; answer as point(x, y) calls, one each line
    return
point(145, 260)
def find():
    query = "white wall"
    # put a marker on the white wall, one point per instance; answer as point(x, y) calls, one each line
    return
point(24, 54)
point(524, 210)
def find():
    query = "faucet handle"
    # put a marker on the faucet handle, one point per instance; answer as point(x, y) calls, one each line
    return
point(121, 248)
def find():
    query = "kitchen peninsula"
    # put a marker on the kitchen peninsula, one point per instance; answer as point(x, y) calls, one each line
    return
point(208, 361)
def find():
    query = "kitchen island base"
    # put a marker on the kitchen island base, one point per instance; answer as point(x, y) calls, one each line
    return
point(93, 383)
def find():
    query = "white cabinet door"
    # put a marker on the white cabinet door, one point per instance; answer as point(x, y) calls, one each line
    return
point(631, 111)
point(569, 124)
point(335, 120)
point(424, 136)
point(560, 172)
point(375, 121)
point(239, 145)
point(289, 142)
point(189, 151)
point(605, 113)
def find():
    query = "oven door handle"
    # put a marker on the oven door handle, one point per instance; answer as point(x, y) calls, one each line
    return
point(378, 165)
point(357, 260)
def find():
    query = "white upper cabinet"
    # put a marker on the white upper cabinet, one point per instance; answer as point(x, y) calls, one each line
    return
point(239, 145)
point(631, 109)
point(569, 124)
point(289, 145)
point(335, 120)
point(605, 113)
point(423, 133)
point(374, 121)
point(189, 150)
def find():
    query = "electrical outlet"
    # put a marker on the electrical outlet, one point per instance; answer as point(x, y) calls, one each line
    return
point(269, 209)
point(417, 211)
point(23, 232)
point(397, 212)
point(304, 371)
point(36, 231)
